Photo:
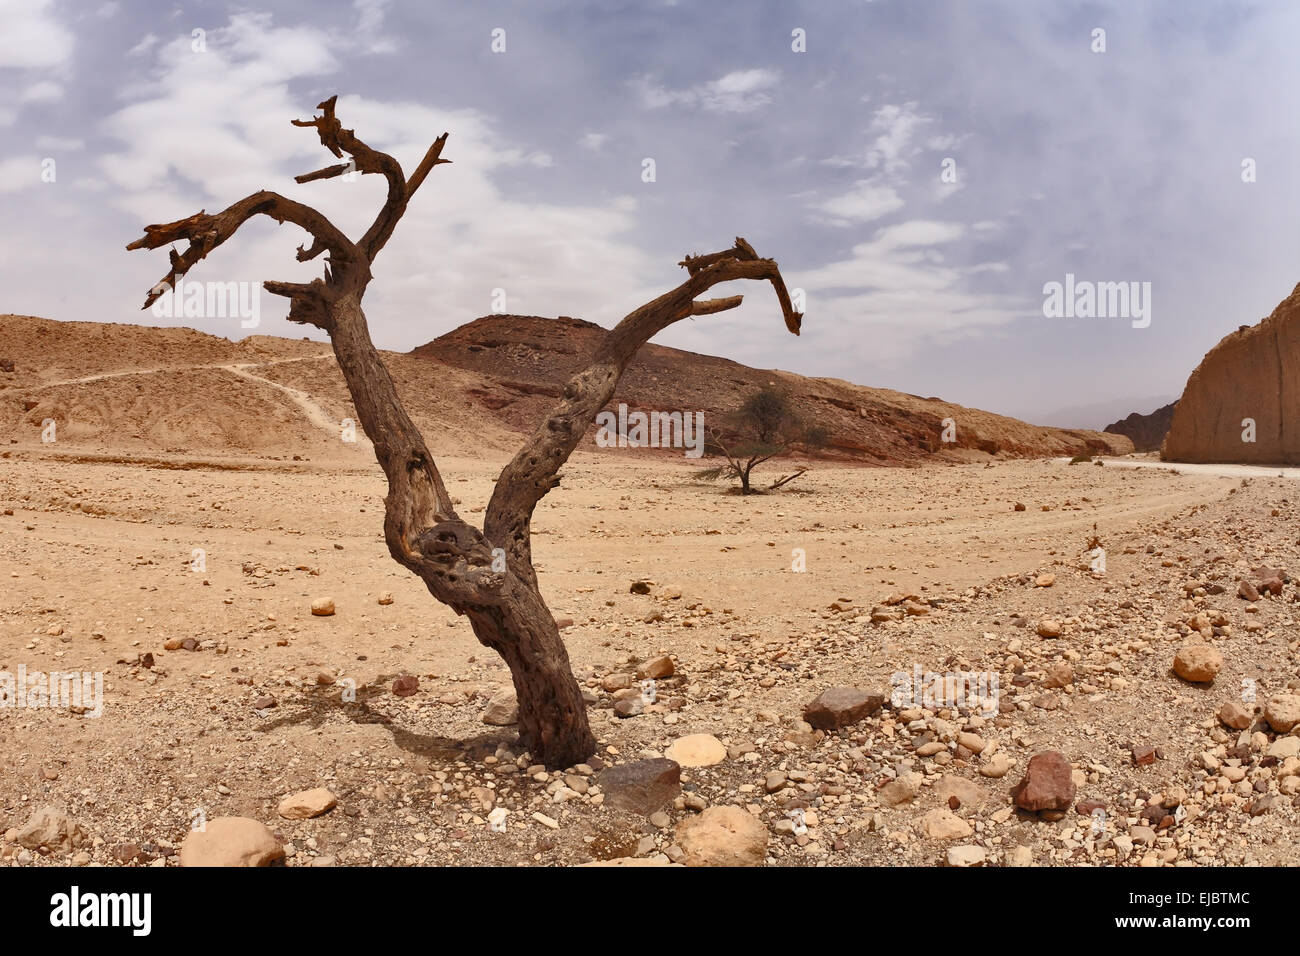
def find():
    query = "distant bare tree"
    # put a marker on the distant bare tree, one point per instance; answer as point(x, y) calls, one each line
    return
point(766, 426)
point(423, 531)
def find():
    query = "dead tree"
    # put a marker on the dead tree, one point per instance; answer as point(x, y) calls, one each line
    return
point(422, 529)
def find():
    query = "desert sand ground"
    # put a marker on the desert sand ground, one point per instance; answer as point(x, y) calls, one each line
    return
point(98, 556)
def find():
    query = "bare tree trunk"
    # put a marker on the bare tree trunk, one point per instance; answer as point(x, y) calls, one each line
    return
point(457, 562)
point(552, 714)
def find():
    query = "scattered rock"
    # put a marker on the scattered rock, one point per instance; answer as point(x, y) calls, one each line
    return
point(1059, 674)
point(231, 841)
point(996, 767)
point(1144, 756)
point(322, 607)
point(50, 827)
point(657, 668)
point(1283, 712)
point(1234, 716)
point(1048, 783)
point(633, 861)
point(642, 786)
point(723, 836)
point(502, 709)
point(943, 824)
point(696, 750)
point(406, 685)
point(967, 856)
point(629, 707)
point(901, 789)
point(307, 804)
point(1198, 663)
point(1020, 856)
point(838, 707)
point(968, 794)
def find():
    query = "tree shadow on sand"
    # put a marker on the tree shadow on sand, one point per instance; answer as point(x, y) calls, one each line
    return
point(324, 702)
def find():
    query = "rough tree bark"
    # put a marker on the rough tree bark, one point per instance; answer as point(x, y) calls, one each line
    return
point(422, 529)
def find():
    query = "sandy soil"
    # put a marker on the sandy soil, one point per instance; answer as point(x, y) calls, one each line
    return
point(98, 553)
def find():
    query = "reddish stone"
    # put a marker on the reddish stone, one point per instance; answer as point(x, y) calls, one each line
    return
point(838, 707)
point(1048, 783)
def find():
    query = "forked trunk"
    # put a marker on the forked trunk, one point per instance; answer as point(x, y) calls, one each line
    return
point(514, 621)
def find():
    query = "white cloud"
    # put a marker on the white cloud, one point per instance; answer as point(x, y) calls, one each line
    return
point(32, 35)
point(895, 127)
point(59, 144)
point(19, 173)
point(740, 91)
point(865, 202)
point(370, 22)
point(44, 91)
point(147, 43)
point(899, 285)
point(594, 141)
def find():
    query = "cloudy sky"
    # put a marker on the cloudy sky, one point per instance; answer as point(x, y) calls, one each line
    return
point(920, 169)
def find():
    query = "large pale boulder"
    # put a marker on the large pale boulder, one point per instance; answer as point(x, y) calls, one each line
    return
point(231, 841)
point(50, 827)
point(696, 750)
point(723, 836)
point(1253, 373)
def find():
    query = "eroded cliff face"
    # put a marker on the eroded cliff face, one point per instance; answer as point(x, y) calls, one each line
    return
point(1242, 404)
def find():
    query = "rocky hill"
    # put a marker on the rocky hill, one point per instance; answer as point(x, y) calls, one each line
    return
point(524, 362)
point(1147, 432)
point(1242, 403)
point(133, 389)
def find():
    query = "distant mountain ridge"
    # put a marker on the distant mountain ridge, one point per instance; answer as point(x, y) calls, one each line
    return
point(527, 360)
point(135, 389)
point(1146, 431)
